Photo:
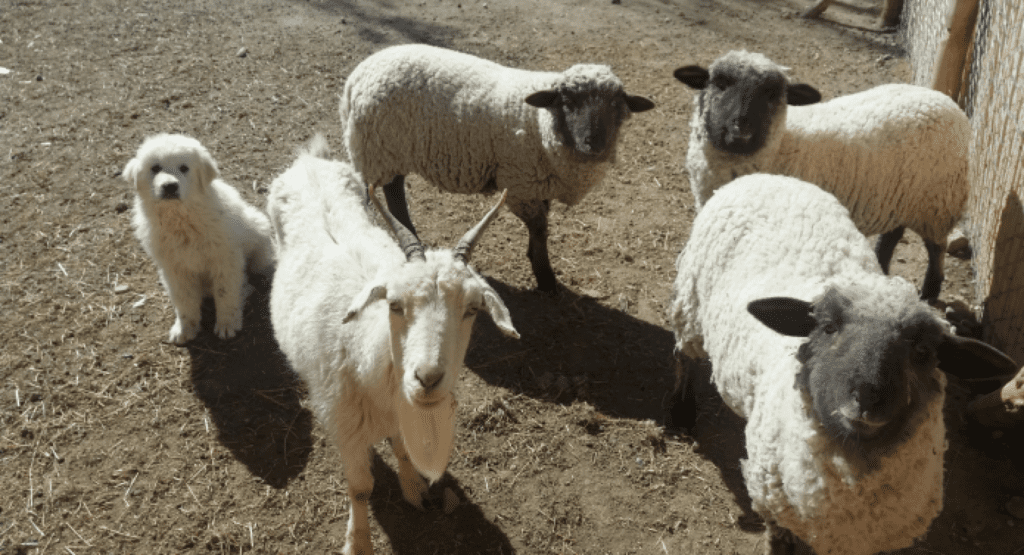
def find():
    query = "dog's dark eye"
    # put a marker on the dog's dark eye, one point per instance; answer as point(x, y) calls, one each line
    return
point(156, 168)
point(183, 168)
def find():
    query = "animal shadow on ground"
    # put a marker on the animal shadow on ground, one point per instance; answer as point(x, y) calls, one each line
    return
point(371, 17)
point(718, 436)
point(465, 530)
point(252, 394)
point(571, 348)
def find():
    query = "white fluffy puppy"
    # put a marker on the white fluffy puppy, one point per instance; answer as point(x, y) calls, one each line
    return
point(198, 230)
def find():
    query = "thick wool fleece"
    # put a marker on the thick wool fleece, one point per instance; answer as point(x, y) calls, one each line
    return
point(463, 124)
point(894, 155)
point(765, 236)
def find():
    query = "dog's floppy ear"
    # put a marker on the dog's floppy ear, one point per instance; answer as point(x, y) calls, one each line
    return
point(207, 170)
point(131, 170)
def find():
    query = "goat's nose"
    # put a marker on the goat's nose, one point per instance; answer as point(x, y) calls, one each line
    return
point(429, 378)
point(170, 190)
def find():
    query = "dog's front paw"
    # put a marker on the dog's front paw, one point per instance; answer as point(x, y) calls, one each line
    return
point(227, 328)
point(183, 331)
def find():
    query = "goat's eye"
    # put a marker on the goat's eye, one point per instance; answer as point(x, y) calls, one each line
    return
point(471, 311)
point(922, 351)
point(396, 307)
point(183, 168)
point(830, 328)
point(156, 168)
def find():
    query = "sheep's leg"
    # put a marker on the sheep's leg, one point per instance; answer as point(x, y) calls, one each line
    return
point(886, 245)
point(681, 413)
point(934, 275)
point(187, 298)
point(535, 215)
point(394, 195)
point(414, 487)
point(780, 541)
point(816, 10)
point(360, 485)
point(891, 13)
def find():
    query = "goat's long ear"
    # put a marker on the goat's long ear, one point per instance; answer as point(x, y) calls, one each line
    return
point(694, 77)
point(785, 315)
point(371, 293)
point(498, 311)
point(968, 358)
point(802, 94)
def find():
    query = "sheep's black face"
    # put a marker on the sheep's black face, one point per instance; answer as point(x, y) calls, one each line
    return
point(867, 371)
point(588, 122)
point(739, 105)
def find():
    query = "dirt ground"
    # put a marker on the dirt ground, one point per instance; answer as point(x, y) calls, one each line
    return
point(113, 441)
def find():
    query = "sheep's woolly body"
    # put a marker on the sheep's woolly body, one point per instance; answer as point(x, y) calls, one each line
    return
point(462, 123)
point(894, 155)
point(794, 472)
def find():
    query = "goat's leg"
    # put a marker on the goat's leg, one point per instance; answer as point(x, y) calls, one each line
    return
point(891, 13)
point(934, 275)
point(360, 485)
point(394, 195)
point(414, 487)
point(535, 215)
point(886, 245)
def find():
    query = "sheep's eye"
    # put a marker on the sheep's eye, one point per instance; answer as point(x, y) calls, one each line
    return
point(183, 168)
point(156, 168)
point(722, 81)
point(922, 352)
point(471, 311)
point(396, 307)
point(830, 328)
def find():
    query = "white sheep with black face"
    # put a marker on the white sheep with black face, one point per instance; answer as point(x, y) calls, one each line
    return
point(837, 372)
point(469, 125)
point(377, 330)
point(894, 155)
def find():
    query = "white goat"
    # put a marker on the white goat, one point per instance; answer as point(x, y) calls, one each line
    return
point(375, 370)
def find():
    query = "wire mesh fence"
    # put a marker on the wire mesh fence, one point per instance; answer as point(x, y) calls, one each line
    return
point(993, 98)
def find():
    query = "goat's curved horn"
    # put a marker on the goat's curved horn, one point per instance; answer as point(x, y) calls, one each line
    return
point(407, 240)
point(464, 249)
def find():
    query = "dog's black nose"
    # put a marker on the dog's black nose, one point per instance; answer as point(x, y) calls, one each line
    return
point(170, 190)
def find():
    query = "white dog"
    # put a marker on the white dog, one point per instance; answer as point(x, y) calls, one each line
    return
point(198, 230)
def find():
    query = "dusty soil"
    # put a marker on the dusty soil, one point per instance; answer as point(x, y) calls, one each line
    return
point(113, 441)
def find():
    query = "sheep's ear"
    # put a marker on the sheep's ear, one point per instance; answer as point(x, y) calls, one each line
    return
point(694, 77)
point(638, 103)
point(371, 293)
point(542, 99)
point(499, 312)
point(785, 315)
point(802, 94)
point(969, 358)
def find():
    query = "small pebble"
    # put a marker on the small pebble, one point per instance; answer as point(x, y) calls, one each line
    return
point(242, 52)
point(122, 288)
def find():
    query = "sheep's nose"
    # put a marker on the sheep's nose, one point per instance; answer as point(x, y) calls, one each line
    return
point(170, 190)
point(429, 378)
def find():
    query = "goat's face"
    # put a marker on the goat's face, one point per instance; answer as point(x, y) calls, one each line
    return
point(432, 305)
